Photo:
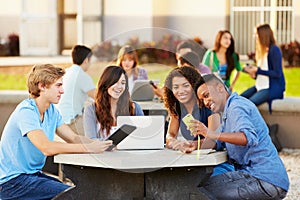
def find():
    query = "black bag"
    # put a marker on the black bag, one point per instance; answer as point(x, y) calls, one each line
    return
point(273, 129)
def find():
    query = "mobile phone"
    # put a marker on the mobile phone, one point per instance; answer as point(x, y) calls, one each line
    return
point(152, 83)
point(187, 119)
point(247, 65)
point(120, 135)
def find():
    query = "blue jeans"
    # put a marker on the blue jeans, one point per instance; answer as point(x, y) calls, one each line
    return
point(222, 168)
point(238, 185)
point(257, 97)
point(31, 186)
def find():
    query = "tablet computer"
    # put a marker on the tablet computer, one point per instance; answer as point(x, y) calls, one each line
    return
point(120, 134)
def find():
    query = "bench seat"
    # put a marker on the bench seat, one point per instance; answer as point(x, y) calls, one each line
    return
point(286, 113)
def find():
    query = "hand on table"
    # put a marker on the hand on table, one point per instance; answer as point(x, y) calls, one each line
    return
point(183, 146)
point(97, 146)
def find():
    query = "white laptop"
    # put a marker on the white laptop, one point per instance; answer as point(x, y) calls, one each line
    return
point(149, 133)
point(142, 90)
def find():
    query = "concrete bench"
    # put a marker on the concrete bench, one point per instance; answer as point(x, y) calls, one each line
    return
point(9, 99)
point(286, 113)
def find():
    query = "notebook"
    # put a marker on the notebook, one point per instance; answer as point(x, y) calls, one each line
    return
point(142, 90)
point(149, 133)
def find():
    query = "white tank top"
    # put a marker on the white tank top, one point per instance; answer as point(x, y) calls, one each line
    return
point(262, 82)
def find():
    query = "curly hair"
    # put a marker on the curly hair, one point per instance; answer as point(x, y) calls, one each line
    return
point(110, 76)
point(170, 101)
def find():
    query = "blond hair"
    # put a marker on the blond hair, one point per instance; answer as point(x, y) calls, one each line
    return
point(44, 74)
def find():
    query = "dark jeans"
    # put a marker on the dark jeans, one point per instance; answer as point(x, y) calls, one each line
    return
point(257, 97)
point(238, 185)
point(31, 187)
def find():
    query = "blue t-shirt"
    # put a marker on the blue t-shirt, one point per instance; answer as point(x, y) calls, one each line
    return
point(17, 154)
point(259, 157)
point(200, 114)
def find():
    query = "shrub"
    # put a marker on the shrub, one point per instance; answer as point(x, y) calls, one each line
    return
point(10, 47)
point(291, 53)
point(161, 51)
point(13, 45)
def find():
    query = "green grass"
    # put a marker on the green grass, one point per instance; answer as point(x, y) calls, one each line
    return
point(12, 82)
point(292, 76)
point(159, 75)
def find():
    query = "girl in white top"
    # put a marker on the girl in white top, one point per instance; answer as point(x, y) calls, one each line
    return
point(270, 81)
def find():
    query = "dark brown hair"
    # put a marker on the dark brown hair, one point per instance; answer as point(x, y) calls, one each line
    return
point(80, 53)
point(229, 52)
point(110, 76)
point(170, 101)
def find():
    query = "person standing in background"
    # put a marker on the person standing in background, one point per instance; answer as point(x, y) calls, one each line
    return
point(78, 86)
point(223, 59)
point(128, 60)
point(270, 82)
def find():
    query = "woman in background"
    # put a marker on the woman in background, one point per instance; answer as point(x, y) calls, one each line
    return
point(128, 60)
point(112, 100)
point(270, 82)
point(223, 59)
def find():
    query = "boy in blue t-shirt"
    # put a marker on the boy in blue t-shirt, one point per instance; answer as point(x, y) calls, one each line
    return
point(28, 137)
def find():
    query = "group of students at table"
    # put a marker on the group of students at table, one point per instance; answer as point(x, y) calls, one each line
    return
point(223, 119)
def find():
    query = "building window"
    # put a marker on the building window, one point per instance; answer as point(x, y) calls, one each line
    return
point(246, 15)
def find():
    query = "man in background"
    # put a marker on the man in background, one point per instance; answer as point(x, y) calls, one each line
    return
point(78, 86)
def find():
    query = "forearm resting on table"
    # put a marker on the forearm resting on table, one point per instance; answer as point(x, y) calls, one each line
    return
point(170, 141)
point(237, 138)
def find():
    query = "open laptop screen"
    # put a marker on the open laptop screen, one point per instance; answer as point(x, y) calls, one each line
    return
point(149, 133)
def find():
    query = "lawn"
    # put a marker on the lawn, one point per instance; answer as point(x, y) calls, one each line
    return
point(292, 76)
point(12, 82)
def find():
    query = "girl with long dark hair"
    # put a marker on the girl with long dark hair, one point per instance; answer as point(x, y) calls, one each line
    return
point(112, 100)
